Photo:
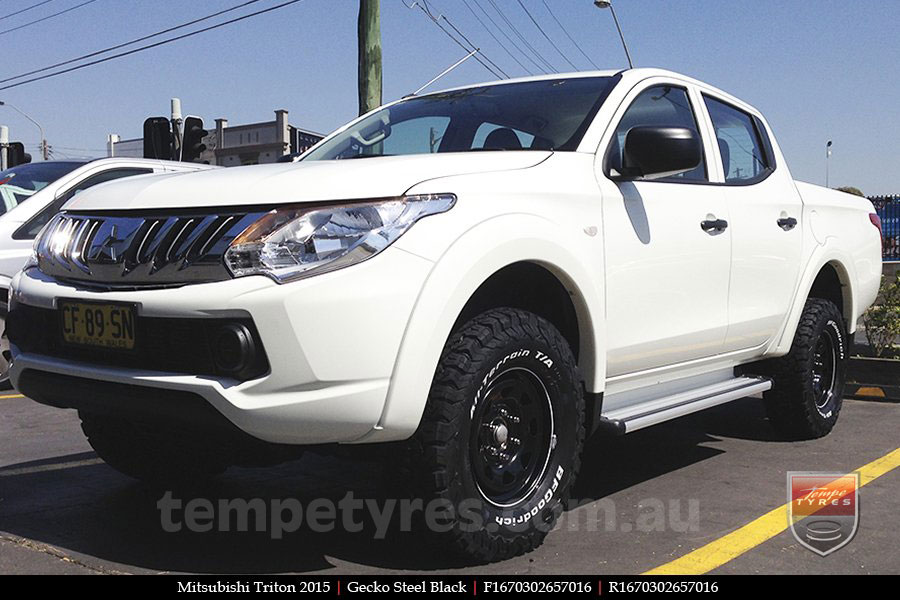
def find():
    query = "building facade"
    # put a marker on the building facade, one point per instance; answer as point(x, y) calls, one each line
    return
point(255, 143)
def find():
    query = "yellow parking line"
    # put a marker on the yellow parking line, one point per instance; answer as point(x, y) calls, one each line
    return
point(727, 548)
point(9, 396)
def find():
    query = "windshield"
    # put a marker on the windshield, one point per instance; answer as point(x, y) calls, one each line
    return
point(19, 183)
point(550, 114)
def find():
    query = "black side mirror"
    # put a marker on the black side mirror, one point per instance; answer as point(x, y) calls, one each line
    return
point(653, 152)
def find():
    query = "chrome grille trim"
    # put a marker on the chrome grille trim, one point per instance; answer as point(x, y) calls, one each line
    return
point(150, 250)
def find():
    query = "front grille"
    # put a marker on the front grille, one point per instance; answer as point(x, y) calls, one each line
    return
point(174, 345)
point(139, 250)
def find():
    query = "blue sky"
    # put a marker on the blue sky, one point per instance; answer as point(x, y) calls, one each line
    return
point(818, 70)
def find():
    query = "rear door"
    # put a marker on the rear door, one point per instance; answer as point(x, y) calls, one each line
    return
point(666, 277)
point(765, 210)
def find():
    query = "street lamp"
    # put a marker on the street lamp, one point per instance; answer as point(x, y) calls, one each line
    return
point(43, 145)
point(608, 4)
point(827, 160)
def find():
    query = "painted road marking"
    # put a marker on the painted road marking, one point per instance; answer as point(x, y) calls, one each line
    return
point(7, 472)
point(727, 548)
point(10, 396)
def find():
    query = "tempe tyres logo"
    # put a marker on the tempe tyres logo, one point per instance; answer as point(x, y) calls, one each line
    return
point(823, 509)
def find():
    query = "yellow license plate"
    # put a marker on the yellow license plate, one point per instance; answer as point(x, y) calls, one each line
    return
point(108, 326)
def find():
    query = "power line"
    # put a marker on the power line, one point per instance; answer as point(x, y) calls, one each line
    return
point(427, 11)
point(134, 41)
point(496, 39)
point(521, 37)
point(26, 9)
point(544, 33)
point(477, 50)
point(463, 36)
point(511, 41)
point(149, 46)
point(566, 31)
point(56, 14)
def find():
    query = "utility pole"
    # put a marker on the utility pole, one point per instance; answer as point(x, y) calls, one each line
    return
point(827, 160)
point(369, 66)
point(4, 145)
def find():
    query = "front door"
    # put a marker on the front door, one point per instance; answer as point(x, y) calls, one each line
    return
point(667, 268)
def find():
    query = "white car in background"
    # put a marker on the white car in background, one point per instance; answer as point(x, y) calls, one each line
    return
point(47, 186)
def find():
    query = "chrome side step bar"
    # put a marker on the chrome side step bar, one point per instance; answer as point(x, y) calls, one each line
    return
point(645, 414)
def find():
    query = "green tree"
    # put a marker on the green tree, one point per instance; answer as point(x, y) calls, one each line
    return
point(849, 189)
point(882, 320)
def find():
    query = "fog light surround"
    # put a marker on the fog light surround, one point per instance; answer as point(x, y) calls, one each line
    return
point(234, 349)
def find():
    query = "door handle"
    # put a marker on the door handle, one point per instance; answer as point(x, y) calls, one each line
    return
point(718, 225)
point(787, 223)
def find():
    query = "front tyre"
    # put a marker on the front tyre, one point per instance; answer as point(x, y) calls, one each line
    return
point(807, 395)
point(499, 444)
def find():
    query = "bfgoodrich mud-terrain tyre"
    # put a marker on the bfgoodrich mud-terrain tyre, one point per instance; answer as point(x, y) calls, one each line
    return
point(148, 452)
point(500, 442)
point(807, 395)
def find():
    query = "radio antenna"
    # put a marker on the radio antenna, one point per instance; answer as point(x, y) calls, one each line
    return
point(445, 71)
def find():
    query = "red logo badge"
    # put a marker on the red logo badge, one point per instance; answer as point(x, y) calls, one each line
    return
point(823, 509)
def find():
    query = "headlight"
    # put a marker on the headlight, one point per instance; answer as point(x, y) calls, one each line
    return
point(299, 241)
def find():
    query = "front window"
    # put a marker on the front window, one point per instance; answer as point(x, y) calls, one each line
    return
point(663, 106)
point(551, 114)
point(20, 183)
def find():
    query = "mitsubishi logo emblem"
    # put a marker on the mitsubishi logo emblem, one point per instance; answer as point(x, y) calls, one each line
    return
point(107, 249)
point(113, 241)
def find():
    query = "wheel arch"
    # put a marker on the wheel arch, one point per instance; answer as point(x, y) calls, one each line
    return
point(828, 276)
point(463, 281)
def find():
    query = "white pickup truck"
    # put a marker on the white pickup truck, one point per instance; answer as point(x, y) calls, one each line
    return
point(479, 276)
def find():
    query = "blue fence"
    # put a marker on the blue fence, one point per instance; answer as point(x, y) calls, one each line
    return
point(888, 208)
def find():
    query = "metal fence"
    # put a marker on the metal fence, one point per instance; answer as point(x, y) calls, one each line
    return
point(888, 208)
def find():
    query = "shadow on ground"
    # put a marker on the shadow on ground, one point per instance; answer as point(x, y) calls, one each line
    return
point(80, 505)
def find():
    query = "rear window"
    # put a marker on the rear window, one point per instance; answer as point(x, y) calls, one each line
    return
point(741, 148)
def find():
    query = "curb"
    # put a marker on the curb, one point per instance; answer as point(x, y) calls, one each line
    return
point(873, 393)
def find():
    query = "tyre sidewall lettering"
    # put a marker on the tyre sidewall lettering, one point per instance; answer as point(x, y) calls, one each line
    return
point(543, 362)
point(829, 411)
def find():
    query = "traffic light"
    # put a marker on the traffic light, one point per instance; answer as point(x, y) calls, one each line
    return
point(158, 139)
point(192, 145)
point(16, 155)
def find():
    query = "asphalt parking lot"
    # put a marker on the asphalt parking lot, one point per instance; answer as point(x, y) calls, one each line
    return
point(64, 511)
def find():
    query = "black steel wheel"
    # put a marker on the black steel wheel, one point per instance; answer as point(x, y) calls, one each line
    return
point(513, 434)
point(824, 369)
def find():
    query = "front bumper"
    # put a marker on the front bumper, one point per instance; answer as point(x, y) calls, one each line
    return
point(331, 342)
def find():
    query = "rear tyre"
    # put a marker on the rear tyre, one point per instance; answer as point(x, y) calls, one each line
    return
point(150, 453)
point(500, 442)
point(807, 395)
